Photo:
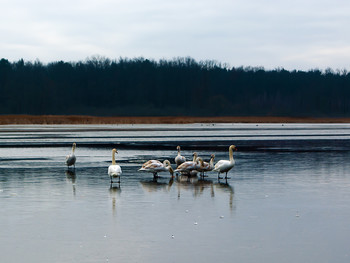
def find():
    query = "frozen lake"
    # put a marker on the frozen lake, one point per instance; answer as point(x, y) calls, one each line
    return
point(288, 199)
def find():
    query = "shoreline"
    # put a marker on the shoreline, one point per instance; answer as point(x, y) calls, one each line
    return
point(81, 119)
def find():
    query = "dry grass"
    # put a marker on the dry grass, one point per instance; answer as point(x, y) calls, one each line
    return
point(76, 119)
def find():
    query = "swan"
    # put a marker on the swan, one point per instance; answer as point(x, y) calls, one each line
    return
point(179, 159)
point(204, 166)
point(70, 159)
point(149, 162)
point(194, 172)
point(114, 170)
point(223, 166)
point(155, 167)
point(189, 167)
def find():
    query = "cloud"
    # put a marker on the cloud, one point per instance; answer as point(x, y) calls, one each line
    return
point(267, 33)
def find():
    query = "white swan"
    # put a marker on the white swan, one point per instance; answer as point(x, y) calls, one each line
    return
point(204, 166)
point(189, 167)
point(155, 167)
point(179, 159)
point(114, 170)
point(70, 159)
point(223, 166)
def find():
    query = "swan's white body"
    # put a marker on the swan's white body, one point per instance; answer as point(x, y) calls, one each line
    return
point(189, 167)
point(114, 170)
point(179, 159)
point(223, 166)
point(155, 167)
point(71, 159)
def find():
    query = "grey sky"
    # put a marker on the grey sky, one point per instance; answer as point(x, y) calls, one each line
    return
point(299, 34)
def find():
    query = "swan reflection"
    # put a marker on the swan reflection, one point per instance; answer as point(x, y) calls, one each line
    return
point(71, 176)
point(154, 185)
point(226, 188)
point(193, 183)
point(198, 186)
point(114, 191)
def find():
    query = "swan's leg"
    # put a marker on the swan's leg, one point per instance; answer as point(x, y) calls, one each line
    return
point(226, 176)
point(219, 176)
point(155, 177)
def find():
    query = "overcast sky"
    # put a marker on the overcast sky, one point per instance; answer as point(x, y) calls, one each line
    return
point(293, 34)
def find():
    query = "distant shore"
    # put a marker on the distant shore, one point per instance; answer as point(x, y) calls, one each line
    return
point(81, 119)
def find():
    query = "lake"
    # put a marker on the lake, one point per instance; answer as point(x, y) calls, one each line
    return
point(287, 199)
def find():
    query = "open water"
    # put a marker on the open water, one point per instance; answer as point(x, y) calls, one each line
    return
point(287, 199)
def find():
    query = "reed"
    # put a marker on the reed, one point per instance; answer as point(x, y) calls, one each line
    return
point(81, 119)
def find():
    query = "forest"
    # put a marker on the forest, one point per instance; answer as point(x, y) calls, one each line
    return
point(182, 86)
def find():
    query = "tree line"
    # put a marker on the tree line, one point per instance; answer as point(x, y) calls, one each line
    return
point(181, 86)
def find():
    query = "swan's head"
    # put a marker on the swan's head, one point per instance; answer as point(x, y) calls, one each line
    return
point(114, 151)
point(199, 160)
point(74, 146)
point(178, 148)
point(233, 148)
point(195, 155)
point(212, 156)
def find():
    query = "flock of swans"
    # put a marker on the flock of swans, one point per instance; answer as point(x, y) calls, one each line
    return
point(183, 167)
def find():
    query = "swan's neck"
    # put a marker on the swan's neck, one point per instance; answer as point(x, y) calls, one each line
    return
point(231, 154)
point(166, 163)
point(170, 169)
point(211, 163)
point(200, 161)
point(73, 149)
point(195, 158)
point(113, 158)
